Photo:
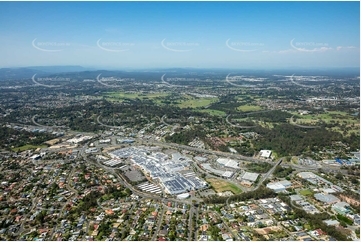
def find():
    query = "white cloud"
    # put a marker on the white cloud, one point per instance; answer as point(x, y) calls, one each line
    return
point(322, 49)
point(345, 47)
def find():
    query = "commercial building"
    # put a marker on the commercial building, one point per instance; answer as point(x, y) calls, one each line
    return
point(112, 162)
point(285, 183)
point(313, 178)
point(276, 187)
point(169, 172)
point(183, 196)
point(250, 176)
point(208, 167)
point(296, 198)
point(341, 208)
point(279, 186)
point(35, 157)
point(265, 153)
point(228, 163)
point(326, 198)
point(331, 222)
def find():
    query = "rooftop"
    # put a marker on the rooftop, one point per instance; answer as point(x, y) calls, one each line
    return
point(250, 176)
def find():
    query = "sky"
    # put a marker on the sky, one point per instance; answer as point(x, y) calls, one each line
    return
point(121, 35)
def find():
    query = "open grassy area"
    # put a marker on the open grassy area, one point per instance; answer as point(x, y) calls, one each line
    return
point(266, 124)
point(212, 112)
point(28, 147)
point(327, 117)
point(331, 117)
point(195, 102)
point(221, 186)
point(122, 95)
point(306, 192)
point(249, 108)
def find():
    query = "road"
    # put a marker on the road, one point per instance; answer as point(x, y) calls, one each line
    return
point(44, 126)
point(159, 224)
point(238, 126)
point(268, 174)
point(235, 236)
point(190, 230)
point(302, 126)
point(196, 229)
point(200, 150)
point(109, 126)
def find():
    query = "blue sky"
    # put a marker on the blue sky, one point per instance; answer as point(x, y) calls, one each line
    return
point(122, 35)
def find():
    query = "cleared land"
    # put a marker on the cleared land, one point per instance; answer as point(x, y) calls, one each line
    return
point(351, 122)
point(221, 186)
point(121, 95)
point(212, 112)
point(195, 102)
point(249, 108)
point(28, 147)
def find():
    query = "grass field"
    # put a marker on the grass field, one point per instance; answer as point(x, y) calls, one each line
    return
point(249, 108)
point(212, 112)
point(195, 102)
point(122, 95)
point(327, 117)
point(331, 117)
point(28, 147)
point(221, 186)
point(306, 192)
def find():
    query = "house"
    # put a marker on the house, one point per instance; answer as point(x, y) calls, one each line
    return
point(163, 232)
point(204, 227)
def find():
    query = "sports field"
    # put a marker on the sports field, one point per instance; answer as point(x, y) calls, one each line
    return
point(221, 186)
point(306, 192)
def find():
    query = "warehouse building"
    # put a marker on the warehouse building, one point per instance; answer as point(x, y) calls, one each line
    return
point(276, 187)
point(250, 176)
point(326, 198)
point(265, 154)
point(228, 163)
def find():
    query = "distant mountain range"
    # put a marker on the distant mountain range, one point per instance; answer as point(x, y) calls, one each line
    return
point(28, 72)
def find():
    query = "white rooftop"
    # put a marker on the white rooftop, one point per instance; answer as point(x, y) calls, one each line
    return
point(265, 153)
point(250, 176)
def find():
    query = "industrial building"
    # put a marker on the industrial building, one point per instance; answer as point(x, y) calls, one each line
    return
point(326, 198)
point(265, 154)
point(313, 178)
point(276, 187)
point(331, 222)
point(183, 196)
point(279, 186)
point(148, 187)
point(228, 163)
point(250, 176)
point(112, 162)
point(226, 174)
point(341, 208)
